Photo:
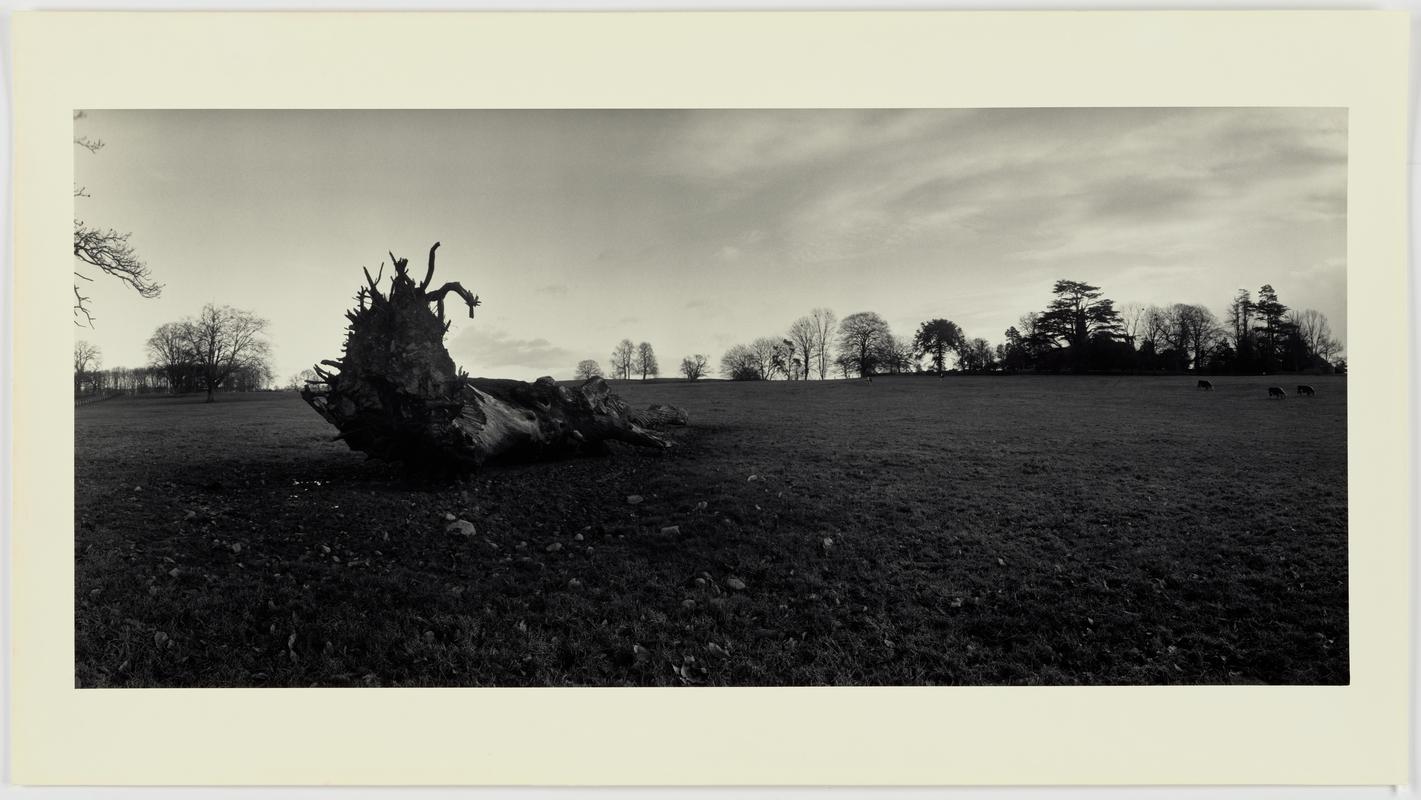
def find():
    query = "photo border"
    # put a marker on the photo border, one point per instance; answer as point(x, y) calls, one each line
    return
point(1357, 734)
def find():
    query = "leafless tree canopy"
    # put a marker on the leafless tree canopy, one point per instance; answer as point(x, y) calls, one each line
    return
point(587, 368)
point(645, 362)
point(622, 359)
point(693, 367)
point(223, 341)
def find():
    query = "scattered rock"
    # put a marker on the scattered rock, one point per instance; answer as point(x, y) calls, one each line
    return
point(449, 517)
point(575, 585)
point(736, 584)
point(716, 650)
point(957, 602)
point(236, 547)
point(752, 478)
point(828, 542)
point(174, 572)
point(160, 639)
point(429, 637)
point(189, 516)
point(634, 499)
point(702, 506)
point(688, 604)
point(1001, 562)
point(577, 538)
point(641, 654)
point(554, 547)
point(461, 527)
point(700, 581)
point(671, 530)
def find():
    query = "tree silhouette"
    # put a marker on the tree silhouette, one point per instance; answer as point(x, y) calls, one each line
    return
point(622, 357)
point(646, 361)
point(693, 367)
point(861, 339)
point(937, 338)
point(587, 368)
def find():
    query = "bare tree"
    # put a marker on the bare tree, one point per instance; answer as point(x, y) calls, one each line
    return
point(824, 324)
point(1131, 317)
point(588, 369)
point(1316, 333)
point(87, 358)
point(170, 351)
point(804, 334)
point(622, 359)
point(105, 250)
point(646, 361)
point(224, 340)
point(693, 367)
point(769, 356)
point(861, 339)
point(741, 364)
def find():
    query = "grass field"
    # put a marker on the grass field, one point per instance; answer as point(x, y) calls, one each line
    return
point(993, 530)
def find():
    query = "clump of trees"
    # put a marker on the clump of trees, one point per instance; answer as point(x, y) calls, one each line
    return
point(222, 348)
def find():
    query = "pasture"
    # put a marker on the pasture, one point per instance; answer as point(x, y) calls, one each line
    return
point(968, 530)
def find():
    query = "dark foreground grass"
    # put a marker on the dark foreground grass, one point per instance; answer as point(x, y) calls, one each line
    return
point(1003, 530)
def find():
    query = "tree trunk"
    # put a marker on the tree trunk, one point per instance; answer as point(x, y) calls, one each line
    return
point(396, 394)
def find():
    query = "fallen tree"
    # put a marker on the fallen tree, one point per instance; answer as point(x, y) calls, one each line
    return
point(395, 393)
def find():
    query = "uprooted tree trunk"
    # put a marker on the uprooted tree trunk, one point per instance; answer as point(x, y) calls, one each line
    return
point(395, 394)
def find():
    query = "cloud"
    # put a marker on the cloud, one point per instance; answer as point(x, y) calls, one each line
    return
point(479, 350)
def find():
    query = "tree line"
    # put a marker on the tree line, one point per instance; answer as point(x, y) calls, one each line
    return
point(221, 349)
point(1080, 330)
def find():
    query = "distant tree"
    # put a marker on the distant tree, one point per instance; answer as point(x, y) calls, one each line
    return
point(740, 364)
point(767, 352)
point(87, 359)
point(975, 355)
point(646, 361)
point(298, 381)
point(1131, 317)
point(622, 359)
point(1199, 332)
point(1078, 314)
point(824, 322)
point(936, 338)
point(224, 340)
point(1269, 324)
point(170, 351)
point(861, 340)
point(1015, 355)
point(896, 356)
point(105, 250)
point(588, 369)
point(804, 334)
point(693, 367)
point(1316, 334)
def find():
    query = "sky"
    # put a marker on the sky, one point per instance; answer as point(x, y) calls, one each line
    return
point(696, 230)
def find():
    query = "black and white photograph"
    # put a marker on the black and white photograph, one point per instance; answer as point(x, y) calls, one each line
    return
point(711, 397)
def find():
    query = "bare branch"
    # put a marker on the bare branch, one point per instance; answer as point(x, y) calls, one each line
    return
point(453, 286)
point(110, 252)
point(429, 275)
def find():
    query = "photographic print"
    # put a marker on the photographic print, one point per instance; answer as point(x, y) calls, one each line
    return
point(799, 397)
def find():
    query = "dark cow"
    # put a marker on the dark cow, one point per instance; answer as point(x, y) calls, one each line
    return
point(1303, 388)
point(1206, 385)
point(1277, 391)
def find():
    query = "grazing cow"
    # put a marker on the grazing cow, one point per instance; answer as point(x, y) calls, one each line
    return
point(1206, 385)
point(1277, 391)
point(1303, 388)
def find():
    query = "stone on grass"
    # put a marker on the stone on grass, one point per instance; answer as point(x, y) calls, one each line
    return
point(736, 584)
point(671, 530)
point(634, 499)
point(461, 527)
